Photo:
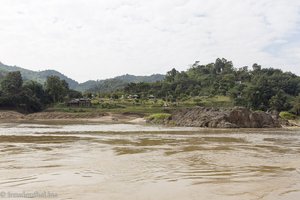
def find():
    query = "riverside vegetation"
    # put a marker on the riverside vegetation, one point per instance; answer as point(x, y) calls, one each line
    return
point(217, 85)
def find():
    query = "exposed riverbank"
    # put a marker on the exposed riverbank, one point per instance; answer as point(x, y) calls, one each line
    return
point(237, 117)
point(189, 117)
point(101, 117)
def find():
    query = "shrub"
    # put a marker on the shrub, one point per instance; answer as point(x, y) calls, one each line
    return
point(110, 106)
point(159, 117)
point(287, 116)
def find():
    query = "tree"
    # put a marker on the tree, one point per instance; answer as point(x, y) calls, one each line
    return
point(296, 105)
point(24, 98)
point(115, 96)
point(35, 89)
point(33, 96)
point(261, 88)
point(12, 83)
point(74, 94)
point(219, 65)
point(27, 103)
point(56, 88)
point(279, 102)
point(170, 77)
point(256, 67)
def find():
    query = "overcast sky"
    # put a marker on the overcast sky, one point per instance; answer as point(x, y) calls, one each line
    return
point(96, 39)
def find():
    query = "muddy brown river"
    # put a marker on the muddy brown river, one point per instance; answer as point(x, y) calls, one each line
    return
point(123, 161)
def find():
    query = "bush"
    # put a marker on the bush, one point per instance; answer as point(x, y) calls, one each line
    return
point(110, 106)
point(287, 116)
point(95, 102)
point(159, 117)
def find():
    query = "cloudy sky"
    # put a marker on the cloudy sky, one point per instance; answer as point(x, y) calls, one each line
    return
point(95, 39)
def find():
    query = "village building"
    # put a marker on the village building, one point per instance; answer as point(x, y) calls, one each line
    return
point(151, 97)
point(81, 102)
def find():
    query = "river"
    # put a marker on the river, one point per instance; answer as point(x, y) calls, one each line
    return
point(123, 161)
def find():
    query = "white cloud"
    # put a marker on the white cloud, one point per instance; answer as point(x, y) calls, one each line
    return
point(93, 39)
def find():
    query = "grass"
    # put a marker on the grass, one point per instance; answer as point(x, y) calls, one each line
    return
point(145, 110)
point(209, 101)
point(287, 116)
point(143, 107)
point(159, 117)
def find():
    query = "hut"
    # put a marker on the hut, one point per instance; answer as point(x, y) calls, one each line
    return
point(151, 97)
point(135, 96)
point(82, 102)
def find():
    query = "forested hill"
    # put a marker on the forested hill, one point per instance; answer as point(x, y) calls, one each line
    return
point(106, 85)
point(119, 82)
point(254, 87)
point(38, 76)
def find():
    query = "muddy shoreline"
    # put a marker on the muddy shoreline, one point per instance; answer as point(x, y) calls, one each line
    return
point(98, 117)
point(58, 117)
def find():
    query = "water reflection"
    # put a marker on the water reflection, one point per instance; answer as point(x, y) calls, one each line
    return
point(199, 164)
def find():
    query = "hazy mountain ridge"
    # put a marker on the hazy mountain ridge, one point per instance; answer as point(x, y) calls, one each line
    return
point(39, 76)
point(118, 82)
point(106, 85)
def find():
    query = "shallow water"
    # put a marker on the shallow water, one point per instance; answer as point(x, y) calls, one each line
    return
point(144, 162)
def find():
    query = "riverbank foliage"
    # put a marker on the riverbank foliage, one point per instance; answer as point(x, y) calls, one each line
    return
point(159, 116)
point(217, 84)
point(256, 88)
point(31, 96)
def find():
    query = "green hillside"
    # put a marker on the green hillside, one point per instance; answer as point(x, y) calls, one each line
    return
point(257, 88)
point(39, 76)
point(119, 82)
point(106, 85)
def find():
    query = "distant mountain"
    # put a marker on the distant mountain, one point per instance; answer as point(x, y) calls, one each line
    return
point(118, 82)
point(106, 85)
point(39, 76)
point(82, 87)
point(136, 79)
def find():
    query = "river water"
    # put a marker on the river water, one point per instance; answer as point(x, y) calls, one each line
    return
point(123, 161)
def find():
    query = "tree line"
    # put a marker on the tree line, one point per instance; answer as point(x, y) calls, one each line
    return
point(257, 88)
point(31, 96)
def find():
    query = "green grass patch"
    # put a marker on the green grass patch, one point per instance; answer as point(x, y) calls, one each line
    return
point(144, 107)
point(114, 107)
point(209, 101)
point(159, 118)
point(287, 116)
